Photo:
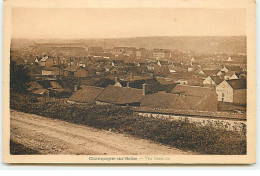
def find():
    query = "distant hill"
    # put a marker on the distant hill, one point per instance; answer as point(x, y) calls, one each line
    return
point(225, 44)
point(232, 45)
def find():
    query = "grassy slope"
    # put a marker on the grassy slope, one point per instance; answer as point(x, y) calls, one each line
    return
point(180, 134)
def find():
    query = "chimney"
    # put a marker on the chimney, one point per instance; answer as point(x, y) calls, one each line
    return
point(144, 89)
point(127, 84)
point(116, 79)
point(75, 88)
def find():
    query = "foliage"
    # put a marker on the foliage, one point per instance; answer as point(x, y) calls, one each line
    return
point(19, 149)
point(180, 134)
point(19, 77)
point(104, 82)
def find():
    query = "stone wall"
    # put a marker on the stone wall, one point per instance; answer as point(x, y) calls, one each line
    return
point(228, 124)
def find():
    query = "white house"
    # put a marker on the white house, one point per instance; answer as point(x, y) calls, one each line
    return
point(224, 69)
point(232, 91)
point(231, 75)
point(162, 62)
point(211, 80)
point(229, 59)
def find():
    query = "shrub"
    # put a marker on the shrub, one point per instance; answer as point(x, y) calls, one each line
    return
point(180, 134)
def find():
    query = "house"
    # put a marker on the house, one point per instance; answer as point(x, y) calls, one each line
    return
point(140, 53)
point(142, 64)
point(194, 81)
point(224, 69)
point(46, 61)
point(162, 63)
point(90, 64)
point(55, 86)
point(41, 92)
point(220, 73)
point(210, 72)
point(234, 68)
point(150, 67)
point(191, 69)
point(52, 71)
point(126, 51)
point(117, 63)
point(161, 70)
point(212, 80)
point(87, 95)
point(182, 81)
point(231, 68)
point(114, 70)
point(101, 62)
point(33, 85)
point(133, 81)
point(158, 54)
point(164, 101)
point(117, 83)
point(229, 59)
point(232, 91)
point(231, 75)
point(161, 54)
point(197, 98)
point(77, 71)
point(166, 84)
point(171, 69)
point(122, 96)
point(107, 67)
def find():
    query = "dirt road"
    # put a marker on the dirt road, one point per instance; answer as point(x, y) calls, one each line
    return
point(50, 136)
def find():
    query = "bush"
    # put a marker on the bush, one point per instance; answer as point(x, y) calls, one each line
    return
point(180, 134)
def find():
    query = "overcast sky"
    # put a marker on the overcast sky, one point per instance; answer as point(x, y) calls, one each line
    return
point(116, 23)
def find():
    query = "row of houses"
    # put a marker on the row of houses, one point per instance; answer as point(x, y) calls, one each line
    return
point(119, 66)
point(127, 96)
point(179, 97)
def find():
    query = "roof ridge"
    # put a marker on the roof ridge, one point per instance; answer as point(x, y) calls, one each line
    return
point(194, 86)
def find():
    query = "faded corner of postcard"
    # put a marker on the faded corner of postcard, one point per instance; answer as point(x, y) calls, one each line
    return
point(129, 85)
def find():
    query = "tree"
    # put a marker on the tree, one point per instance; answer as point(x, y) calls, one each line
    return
point(104, 82)
point(19, 77)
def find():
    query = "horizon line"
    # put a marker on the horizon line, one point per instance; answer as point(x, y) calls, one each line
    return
point(78, 38)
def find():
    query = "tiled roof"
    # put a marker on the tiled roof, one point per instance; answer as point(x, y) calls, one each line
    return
point(216, 79)
point(210, 72)
point(34, 85)
point(55, 85)
point(237, 83)
point(120, 95)
point(165, 81)
point(44, 59)
point(52, 68)
point(73, 68)
point(230, 73)
point(40, 91)
point(196, 91)
point(87, 94)
point(163, 62)
point(164, 101)
point(234, 68)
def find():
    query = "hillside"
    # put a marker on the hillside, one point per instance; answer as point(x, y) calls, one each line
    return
point(225, 44)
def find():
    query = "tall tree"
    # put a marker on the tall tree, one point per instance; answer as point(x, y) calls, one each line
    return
point(19, 77)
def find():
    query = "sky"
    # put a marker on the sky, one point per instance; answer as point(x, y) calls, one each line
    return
point(121, 23)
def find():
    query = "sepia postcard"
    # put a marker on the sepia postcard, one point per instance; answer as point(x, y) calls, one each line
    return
point(129, 82)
